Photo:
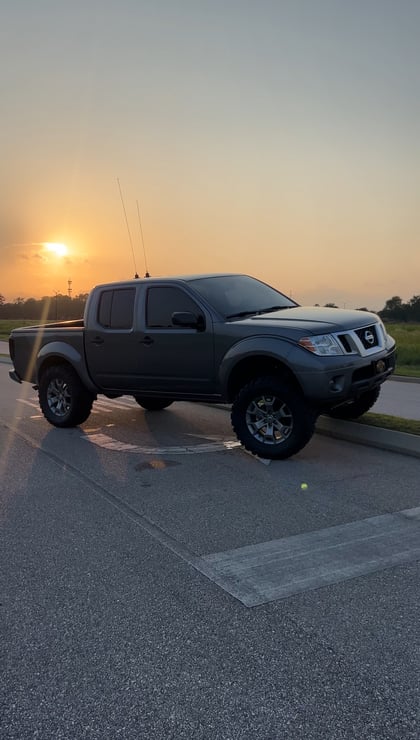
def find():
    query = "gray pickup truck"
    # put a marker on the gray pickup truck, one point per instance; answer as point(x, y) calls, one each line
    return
point(214, 338)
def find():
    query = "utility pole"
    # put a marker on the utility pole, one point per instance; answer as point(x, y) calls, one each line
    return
point(69, 288)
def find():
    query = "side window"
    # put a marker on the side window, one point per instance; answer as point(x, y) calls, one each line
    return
point(162, 302)
point(116, 308)
point(104, 310)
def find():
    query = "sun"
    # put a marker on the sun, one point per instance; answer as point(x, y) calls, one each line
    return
point(60, 250)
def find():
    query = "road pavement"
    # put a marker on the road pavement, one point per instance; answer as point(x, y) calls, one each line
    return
point(4, 350)
point(131, 546)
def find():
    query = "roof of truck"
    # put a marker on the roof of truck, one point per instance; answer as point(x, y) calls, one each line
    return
point(168, 278)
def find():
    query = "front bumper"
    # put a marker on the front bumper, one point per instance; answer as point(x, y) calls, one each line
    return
point(344, 382)
point(374, 374)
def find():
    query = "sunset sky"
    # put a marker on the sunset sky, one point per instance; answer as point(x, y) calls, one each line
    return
point(280, 138)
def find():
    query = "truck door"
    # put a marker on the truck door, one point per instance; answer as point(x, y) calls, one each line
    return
point(173, 358)
point(111, 342)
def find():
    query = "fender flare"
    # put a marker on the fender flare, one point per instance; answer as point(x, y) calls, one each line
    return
point(272, 347)
point(65, 352)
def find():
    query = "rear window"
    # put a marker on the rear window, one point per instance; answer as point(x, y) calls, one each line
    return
point(116, 308)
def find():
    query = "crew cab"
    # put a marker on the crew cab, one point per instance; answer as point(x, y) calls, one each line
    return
point(219, 338)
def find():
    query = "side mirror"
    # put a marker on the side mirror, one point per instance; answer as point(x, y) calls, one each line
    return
point(187, 319)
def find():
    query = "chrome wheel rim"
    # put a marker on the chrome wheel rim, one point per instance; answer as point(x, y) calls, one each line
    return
point(59, 397)
point(269, 420)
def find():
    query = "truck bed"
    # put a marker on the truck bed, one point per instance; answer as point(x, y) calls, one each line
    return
point(25, 351)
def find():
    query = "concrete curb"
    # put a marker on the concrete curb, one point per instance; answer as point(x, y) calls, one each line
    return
point(5, 359)
point(384, 439)
point(403, 379)
point(352, 431)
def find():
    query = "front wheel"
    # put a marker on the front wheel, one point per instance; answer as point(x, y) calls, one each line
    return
point(63, 399)
point(356, 408)
point(153, 404)
point(271, 419)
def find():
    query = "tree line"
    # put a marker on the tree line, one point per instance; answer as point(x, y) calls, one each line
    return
point(61, 307)
point(396, 310)
point(58, 307)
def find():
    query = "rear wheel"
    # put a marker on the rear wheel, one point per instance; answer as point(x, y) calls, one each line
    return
point(63, 399)
point(356, 408)
point(271, 419)
point(153, 404)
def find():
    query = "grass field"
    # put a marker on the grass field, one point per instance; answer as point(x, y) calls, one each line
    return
point(385, 421)
point(407, 337)
point(6, 326)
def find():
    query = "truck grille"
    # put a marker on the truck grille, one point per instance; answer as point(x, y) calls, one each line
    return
point(368, 336)
point(364, 341)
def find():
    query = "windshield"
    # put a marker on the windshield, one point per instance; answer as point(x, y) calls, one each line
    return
point(234, 296)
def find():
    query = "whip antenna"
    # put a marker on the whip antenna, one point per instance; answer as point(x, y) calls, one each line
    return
point(128, 229)
point(142, 241)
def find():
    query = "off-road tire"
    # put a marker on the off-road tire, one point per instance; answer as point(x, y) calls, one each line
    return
point(153, 404)
point(356, 408)
point(63, 399)
point(271, 419)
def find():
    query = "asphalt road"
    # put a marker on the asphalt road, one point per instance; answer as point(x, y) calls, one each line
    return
point(158, 582)
point(398, 398)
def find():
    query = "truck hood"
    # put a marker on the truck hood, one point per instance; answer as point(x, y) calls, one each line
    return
point(313, 319)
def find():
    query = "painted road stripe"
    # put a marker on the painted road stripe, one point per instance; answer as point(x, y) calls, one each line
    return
point(99, 405)
point(258, 574)
point(103, 440)
point(32, 404)
point(111, 405)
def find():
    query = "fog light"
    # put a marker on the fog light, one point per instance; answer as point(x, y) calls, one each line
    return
point(337, 383)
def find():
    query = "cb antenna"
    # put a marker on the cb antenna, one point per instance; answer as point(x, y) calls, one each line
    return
point(128, 229)
point(142, 241)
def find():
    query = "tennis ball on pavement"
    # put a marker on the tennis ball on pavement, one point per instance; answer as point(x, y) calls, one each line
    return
point(304, 486)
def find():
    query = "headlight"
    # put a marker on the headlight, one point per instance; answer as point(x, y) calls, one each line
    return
point(324, 344)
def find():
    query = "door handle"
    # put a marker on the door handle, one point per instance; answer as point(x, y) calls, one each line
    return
point(147, 341)
point(97, 340)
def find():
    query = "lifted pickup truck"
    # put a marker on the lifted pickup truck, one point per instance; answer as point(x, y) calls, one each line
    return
point(214, 338)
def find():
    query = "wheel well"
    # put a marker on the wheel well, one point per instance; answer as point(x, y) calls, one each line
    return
point(52, 361)
point(257, 367)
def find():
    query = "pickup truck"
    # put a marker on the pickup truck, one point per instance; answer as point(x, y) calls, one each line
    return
point(220, 338)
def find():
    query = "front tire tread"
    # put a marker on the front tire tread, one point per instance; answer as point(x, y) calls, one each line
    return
point(302, 417)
